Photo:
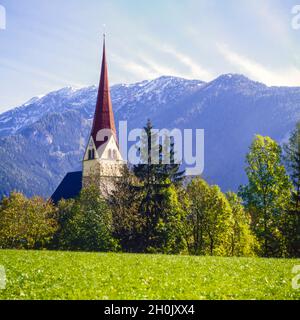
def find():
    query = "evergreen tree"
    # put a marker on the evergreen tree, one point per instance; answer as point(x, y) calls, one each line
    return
point(152, 167)
point(267, 194)
point(155, 180)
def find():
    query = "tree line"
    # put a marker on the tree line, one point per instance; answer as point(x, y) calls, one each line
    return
point(152, 208)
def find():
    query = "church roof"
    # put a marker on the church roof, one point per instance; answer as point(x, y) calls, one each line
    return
point(104, 116)
point(69, 188)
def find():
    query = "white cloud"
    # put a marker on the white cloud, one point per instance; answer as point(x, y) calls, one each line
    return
point(37, 73)
point(256, 71)
point(195, 70)
point(159, 69)
point(145, 67)
point(140, 72)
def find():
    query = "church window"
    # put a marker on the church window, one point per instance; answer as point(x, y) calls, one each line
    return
point(115, 154)
point(91, 154)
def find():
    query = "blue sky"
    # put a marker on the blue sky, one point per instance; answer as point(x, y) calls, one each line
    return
point(48, 45)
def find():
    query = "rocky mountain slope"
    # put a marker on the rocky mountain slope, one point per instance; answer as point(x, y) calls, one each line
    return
point(45, 138)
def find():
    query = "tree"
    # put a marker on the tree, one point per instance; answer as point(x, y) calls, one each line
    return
point(128, 223)
point(292, 219)
point(152, 168)
point(197, 194)
point(155, 181)
point(86, 223)
point(210, 219)
point(292, 160)
point(26, 223)
point(243, 242)
point(170, 226)
point(267, 194)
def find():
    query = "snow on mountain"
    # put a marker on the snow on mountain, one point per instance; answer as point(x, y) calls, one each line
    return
point(43, 139)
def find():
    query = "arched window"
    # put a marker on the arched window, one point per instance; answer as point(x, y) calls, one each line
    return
point(109, 154)
point(91, 154)
point(115, 154)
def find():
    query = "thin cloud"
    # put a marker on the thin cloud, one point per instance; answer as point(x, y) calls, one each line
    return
point(139, 71)
point(25, 69)
point(288, 77)
point(160, 70)
point(145, 67)
point(195, 70)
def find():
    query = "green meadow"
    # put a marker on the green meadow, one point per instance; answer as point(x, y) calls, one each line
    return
point(69, 275)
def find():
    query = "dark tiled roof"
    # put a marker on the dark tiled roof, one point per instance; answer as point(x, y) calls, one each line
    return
point(69, 188)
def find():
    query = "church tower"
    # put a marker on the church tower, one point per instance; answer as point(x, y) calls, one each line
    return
point(102, 161)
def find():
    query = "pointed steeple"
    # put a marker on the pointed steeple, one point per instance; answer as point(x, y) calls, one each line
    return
point(104, 116)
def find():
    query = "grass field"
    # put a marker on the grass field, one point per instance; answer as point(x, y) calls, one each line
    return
point(66, 275)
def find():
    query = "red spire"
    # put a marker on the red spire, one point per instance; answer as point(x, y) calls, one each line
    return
point(104, 116)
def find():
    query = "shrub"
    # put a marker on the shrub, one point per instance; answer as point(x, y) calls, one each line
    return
point(26, 223)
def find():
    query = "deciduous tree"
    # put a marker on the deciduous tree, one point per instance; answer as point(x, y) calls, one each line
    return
point(243, 241)
point(267, 194)
point(86, 223)
point(292, 219)
point(26, 223)
point(210, 219)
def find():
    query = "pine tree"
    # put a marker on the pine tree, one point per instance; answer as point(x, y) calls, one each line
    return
point(155, 180)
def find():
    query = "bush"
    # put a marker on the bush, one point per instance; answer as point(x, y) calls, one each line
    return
point(26, 223)
point(85, 223)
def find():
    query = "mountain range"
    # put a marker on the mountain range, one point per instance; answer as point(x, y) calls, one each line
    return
point(45, 138)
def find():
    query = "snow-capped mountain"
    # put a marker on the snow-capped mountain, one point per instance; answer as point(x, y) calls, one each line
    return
point(45, 138)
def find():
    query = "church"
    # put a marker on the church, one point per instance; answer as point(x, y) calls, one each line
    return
point(102, 160)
